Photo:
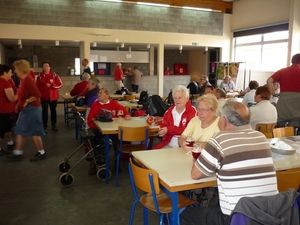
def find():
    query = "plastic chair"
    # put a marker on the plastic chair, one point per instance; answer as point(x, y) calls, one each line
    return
point(283, 132)
point(288, 179)
point(153, 198)
point(131, 134)
point(266, 129)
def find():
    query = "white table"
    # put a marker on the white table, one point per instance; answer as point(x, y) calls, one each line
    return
point(173, 166)
point(107, 128)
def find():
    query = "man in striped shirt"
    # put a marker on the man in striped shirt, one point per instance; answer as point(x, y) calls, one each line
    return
point(242, 160)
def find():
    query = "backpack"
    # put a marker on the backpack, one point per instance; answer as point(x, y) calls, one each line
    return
point(156, 106)
point(169, 100)
point(194, 87)
point(144, 98)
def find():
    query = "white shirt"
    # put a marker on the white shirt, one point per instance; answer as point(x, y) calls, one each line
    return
point(177, 118)
point(273, 98)
point(249, 97)
point(263, 112)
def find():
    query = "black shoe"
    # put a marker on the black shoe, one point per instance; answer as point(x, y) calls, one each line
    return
point(3, 152)
point(38, 156)
point(13, 157)
point(54, 127)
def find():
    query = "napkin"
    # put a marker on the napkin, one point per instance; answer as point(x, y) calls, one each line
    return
point(281, 145)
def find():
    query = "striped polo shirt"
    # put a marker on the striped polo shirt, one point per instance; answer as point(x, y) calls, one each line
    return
point(242, 161)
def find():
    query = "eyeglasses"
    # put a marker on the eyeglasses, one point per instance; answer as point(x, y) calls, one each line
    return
point(203, 110)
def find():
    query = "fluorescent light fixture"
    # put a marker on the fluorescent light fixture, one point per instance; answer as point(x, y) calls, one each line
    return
point(94, 44)
point(153, 4)
point(111, 0)
point(57, 43)
point(122, 45)
point(206, 49)
point(19, 42)
point(148, 46)
point(195, 8)
point(180, 47)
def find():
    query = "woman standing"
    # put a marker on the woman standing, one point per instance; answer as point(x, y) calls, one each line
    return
point(49, 83)
point(7, 103)
point(30, 117)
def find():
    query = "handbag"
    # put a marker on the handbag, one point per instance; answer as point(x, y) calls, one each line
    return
point(78, 99)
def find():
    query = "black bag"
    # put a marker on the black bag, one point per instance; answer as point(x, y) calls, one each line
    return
point(169, 100)
point(194, 87)
point(123, 91)
point(104, 115)
point(144, 98)
point(157, 107)
point(78, 100)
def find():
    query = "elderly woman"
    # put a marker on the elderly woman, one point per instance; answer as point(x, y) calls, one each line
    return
point(7, 104)
point(176, 118)
point(202, 127)
point(30, 121)
point(81, 88)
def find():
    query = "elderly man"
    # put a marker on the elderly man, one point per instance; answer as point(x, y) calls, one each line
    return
point(221, 96)
point(242, 161)
point(227, 84)
point(86, 68)
point(119, 77)
point(289, 79)
point(135, 79)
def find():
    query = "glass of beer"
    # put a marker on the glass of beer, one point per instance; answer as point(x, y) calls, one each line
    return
point(190, 141)
point(196, 151)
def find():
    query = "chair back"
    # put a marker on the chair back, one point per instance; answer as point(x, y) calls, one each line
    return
point(133, 133)
point(266, 129)
point(129, 97)
point(288, 179)
point(144, 179)
point(283, 132)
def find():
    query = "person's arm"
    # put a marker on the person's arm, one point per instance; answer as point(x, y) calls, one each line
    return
point(57, 84)
point(270, 82)
point(196, 173)
point(9, 92)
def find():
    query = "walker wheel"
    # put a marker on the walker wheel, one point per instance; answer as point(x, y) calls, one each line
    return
point(101, 174)
point(63, 166)
point(66, 180)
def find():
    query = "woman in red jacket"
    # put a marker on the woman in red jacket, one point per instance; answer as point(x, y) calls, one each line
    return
point(176, 118)
point(48, 82)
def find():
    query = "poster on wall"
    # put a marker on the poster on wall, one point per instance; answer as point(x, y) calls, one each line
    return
point(224, 69)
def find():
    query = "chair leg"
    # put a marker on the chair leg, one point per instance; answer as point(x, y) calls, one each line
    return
point(117, 168)
point(145, 210)
point(132, 211)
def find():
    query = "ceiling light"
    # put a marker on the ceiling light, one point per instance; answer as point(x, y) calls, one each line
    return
point(148, 46)
point(180, 47)
point(19, 42)
point(122, 45)
point(94, 44)
point(206, 49)
point(195, 8)
point(153, 4)
point(57, 43)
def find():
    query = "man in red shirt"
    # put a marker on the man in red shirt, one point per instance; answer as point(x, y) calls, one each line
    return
point(289, 80)
point(119, 77)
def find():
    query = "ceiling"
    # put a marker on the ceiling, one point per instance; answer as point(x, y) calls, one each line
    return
point(100, 45)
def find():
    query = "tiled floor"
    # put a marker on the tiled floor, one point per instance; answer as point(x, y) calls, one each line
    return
point(30, 193)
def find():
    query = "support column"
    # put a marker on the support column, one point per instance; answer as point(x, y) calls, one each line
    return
point(294, 30)
point(151, 61)
point(160, 69)
point(84, 52)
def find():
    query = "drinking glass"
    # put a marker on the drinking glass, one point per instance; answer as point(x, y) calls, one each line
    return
point(190, 141)
point(196, 151)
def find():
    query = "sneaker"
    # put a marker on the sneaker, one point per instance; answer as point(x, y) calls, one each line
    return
point(13, 157)
point(38, 156)
point(54, 127)
point(3, 152)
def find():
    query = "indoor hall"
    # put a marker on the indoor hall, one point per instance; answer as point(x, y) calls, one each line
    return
point(31, 194)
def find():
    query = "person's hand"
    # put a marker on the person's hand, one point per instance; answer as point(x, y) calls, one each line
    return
point(127, 117)
point(163, 131)
point(48, 85)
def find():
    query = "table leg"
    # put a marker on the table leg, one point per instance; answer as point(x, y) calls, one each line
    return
point(106, 158)
point(66, 110)
point(174, 213)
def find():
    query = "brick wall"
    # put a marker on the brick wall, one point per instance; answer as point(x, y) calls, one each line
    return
point(79, 13)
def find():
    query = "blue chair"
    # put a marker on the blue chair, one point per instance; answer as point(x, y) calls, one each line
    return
point(153, 198)
point(131, 134)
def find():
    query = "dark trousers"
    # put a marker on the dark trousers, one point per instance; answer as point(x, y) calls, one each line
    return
point(204, 215)
point(53, 115)
point(135, 88)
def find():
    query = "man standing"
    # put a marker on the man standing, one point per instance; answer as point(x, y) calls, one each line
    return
point(119, 77)
point(242, 161)
point(48, 83)
point(289, 80)
point(136, 79)
point(86, 68)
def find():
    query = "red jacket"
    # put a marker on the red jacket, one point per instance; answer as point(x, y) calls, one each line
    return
point(52, 92)
point(80, 89)
point(168, 121)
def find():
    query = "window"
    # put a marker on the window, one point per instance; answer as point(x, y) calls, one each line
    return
point(77, 66)
point(265, 51)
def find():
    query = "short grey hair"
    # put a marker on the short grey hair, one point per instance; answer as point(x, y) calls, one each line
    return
point(119, 64)
point(85, 76)
point(205, 77)
point(95, 81)
point(231, 111)
point(182, 89)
